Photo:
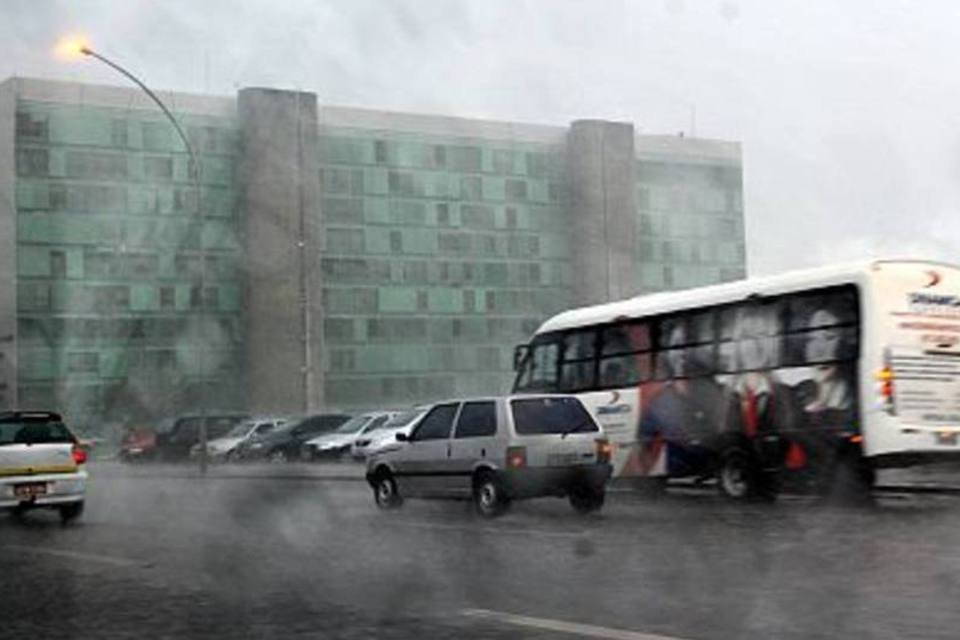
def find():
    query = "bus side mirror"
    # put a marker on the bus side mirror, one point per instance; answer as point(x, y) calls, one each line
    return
point(521, 353)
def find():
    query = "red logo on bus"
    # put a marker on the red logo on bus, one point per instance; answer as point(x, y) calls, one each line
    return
point(934, 279)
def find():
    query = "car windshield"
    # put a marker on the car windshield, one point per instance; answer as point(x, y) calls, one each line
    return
point(241, 430)
point(402, 419)
point(533, 416)
point(34, 432)
point(353, 425)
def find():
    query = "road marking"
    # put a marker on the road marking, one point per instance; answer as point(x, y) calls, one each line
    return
point(507, 530)
point(573, 628)
point(76, 555)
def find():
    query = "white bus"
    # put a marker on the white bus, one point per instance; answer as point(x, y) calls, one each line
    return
point(812, 377)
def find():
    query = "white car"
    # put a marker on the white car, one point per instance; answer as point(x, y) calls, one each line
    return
point(41, 464)
point(375, 439)
point(494, 451)
point(223, 448)
point(337, 443)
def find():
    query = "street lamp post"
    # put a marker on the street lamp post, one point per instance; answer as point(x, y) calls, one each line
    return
point(70, 47)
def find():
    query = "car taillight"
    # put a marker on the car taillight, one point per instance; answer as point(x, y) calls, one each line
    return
point(604, 450)
point(516, 457)
point(79, 455)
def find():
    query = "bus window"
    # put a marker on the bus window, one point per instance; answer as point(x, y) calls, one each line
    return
point(625, 338)
point(752, 337)
point(625, 371)
point(539, 371)
point(577, 369)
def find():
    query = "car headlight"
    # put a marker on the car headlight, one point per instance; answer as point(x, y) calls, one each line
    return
point(257, 445)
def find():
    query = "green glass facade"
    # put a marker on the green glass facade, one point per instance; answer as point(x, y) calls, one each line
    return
point(441, 254)
point(690, 224)
point(112, 321)
point(443, 243)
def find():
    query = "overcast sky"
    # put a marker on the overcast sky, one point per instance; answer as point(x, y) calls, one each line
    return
point(848, 112)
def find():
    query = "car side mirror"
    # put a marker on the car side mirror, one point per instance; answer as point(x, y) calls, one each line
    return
point(402, 437)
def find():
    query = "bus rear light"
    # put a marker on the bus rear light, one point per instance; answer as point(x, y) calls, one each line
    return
point(885, 378)
point(604, 450)
point(516, 457)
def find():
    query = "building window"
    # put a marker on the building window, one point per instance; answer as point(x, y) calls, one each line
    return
point(443, 214)
point(211, 297)
point(83, 362)
point(511, 218)
point(29, 126)
point(167, 298)
point(90, 164)
point(466, 159)
point(491, 303)
point(342, 360)
point(476, 216)
point(439, 156)
point(471, 188)
point(58, 264)
point(396, 241)
point(668, 276)
point(469, 300)
point(502, 161)
point(423, 301)
point(516, 189)
point(380, 151)
point(118, 133)
point(33, 162)
point(195, 297)
point(157, 168)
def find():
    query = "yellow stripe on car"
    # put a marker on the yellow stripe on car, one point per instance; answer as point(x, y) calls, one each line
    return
point(36, 470)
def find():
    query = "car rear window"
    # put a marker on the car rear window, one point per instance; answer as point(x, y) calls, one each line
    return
point(34, 432)
point(533, 416)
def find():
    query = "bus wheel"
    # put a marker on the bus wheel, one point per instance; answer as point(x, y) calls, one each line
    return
point(734, 477)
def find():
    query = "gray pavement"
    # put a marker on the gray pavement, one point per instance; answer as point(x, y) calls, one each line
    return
point(161, 553)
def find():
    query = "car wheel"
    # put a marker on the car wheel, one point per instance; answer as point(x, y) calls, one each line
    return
point(278, 456)
point(488, 497)
point(70, 512)
point(385, 492)
point(586, 500)
point(735, 475)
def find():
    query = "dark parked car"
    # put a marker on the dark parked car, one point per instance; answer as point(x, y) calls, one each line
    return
point(284, 443)
point(174, 445)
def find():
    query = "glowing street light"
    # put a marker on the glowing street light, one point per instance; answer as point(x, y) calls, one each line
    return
point(74, 46)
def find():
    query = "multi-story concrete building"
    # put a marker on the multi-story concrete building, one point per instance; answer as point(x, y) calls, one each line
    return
point(333, 257)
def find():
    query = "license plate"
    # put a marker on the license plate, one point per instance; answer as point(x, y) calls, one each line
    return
point(30, 490)
point(562, 459)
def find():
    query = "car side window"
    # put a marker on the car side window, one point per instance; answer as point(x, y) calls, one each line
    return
point(264, 427)
point(477, 419)
point(436, 424)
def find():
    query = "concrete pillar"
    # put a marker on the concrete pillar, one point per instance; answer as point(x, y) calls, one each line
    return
point(281, 208)
point(8, 247)
point(600, 161)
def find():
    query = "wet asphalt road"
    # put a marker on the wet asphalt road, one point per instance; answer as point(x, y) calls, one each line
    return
point(176, 557)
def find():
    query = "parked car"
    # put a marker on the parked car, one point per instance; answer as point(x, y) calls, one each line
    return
point(374, 439)
point(494, 451)
point(225, 448)
point(139, 444)
point(283, 444)
point(337, 443)
point(42, 463)
point(174, 445)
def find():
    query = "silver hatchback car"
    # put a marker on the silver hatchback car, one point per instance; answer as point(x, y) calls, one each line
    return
point(495, 450)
